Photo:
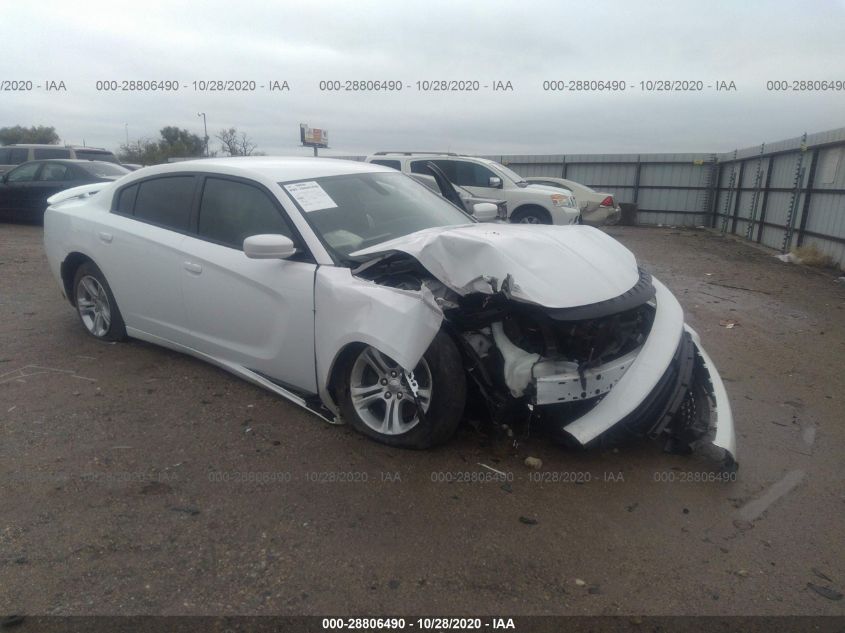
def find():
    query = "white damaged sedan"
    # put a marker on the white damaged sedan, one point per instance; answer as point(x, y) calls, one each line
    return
point(356, 292)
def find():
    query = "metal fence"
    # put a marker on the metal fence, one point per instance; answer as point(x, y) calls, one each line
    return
point(784, 194)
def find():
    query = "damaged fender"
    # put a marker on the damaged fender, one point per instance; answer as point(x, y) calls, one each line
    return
point(399, 323)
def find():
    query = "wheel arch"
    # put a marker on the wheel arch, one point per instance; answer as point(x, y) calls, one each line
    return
point(531, 206)
point(343, 356)
point(68, 270)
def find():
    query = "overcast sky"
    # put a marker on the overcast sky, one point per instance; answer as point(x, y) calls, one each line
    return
point(521, 42)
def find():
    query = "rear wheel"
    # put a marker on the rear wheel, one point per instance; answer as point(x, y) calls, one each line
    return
point(95, 304)
point(378, 401)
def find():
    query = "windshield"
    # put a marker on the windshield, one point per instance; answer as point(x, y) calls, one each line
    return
point(355, 211)
point(519, 180)
point(99, 169)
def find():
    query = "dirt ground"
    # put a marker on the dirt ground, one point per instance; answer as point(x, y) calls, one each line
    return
point(134, 480)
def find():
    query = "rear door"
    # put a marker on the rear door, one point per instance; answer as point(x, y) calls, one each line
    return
point(140, 249)
point(256, 313)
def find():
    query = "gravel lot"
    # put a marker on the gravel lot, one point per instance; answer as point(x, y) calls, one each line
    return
point(134, 480)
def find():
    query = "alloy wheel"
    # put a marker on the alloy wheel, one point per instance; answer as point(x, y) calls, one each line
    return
point(381, 395)
point(92, 301)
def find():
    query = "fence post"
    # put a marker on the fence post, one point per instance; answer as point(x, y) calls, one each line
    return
point(717, 193)
point(735, 217)
point(807, 192)
point(637, 181)
point(765, 200)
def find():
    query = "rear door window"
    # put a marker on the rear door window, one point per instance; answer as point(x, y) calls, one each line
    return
point(53, 172)
point(126, 200)
point(50, 152)
point(18, 155)
point(166, 201)
point(108, 157)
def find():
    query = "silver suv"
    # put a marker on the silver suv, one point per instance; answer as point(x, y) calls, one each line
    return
point(13, 155)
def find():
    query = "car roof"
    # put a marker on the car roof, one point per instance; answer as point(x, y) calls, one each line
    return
point(54, 146)
point(430, 155)
point(276, 168)
point(69, 161)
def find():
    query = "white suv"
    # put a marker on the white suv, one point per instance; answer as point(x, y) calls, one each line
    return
point(529, 204)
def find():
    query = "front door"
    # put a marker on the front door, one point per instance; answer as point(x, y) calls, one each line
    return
point(256, 313)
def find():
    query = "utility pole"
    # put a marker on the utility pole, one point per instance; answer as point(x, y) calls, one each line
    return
point(205, 131)
point(126, 126)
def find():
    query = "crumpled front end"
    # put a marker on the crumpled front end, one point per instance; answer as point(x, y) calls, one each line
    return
point(571, 332)
point(654, 380)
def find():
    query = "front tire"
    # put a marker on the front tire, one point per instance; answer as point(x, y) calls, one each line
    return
point(95, 304)
point(531, 215)
point(378, 402)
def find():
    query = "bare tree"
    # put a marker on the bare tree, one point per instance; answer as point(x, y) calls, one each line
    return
point(236, 143)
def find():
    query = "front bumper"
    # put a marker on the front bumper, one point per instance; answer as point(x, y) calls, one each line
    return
point(670, 390)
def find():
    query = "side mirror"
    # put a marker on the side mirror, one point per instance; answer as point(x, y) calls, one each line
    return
point(269, 247)
point(485, 211)
point(495, 182)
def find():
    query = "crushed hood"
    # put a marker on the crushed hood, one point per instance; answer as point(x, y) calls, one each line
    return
point(552, 266)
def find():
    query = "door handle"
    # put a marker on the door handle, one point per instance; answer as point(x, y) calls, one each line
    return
point(106, 237)
point(191, 267)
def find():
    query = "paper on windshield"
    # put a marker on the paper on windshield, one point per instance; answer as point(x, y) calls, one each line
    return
point(310, 196)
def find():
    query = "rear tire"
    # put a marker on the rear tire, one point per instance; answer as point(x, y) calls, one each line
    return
point(376, 400)
point(95, 304)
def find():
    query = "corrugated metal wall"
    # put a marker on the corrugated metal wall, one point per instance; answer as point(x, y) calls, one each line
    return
point(798, 198)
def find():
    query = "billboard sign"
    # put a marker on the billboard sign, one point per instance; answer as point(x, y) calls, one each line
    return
point(313, 136)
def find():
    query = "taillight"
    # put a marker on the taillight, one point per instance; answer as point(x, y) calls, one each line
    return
point(607, 202)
